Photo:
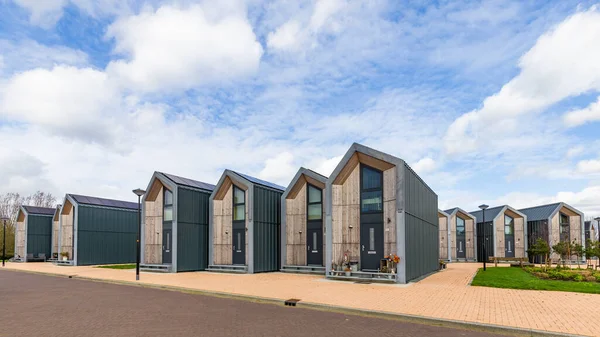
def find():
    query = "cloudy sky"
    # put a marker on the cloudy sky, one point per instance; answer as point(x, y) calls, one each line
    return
point(490, 101)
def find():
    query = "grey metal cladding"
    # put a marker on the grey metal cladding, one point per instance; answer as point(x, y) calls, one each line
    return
point(421, 226)
point(105, 235)
point(95, 201)
point(260, 181)
point(39, 210)
point(490, 213)
point(542, 212)
point(189, 182)
point(192, 229)
point(39, 234)
point(267, 229)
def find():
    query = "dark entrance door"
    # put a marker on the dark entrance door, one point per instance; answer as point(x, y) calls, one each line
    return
point(509, 236)
point(461, 251)
point(167, 252)
point(371, 218)
point(485, 238)
point(314, 226)
point(239, 244)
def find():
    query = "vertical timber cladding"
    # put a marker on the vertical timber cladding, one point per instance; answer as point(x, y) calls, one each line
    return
point(421, 226)
point(266, 222)
point(39, 235)
point(295, 229)
point(55, 231)
point(519, 233)
point(470, 237)
point(346, 214)
point(192, 229)
point(106, 235)
point(66, 230)
point(20, 235)
point(153, 227)
point(223, 223)
point(443, 239)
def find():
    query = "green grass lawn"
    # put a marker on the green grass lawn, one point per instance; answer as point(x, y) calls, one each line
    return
point(516, 278)
point(119, 266)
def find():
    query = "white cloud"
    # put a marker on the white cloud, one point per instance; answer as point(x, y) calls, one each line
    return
point(44, 13)
point(28, 54)
point(562, 63)
point(589, 166)
point(575, 151)
point(424, 165)
point(76, 103)
point(300, 32)
point(279, 168)
point(579, 117)
point(175, 48)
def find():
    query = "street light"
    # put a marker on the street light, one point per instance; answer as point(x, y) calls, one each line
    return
point(139, 192)
point(483, 208)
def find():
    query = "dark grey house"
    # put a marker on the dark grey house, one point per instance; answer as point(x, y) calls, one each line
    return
point(303, 223)
point(244, 224)
point(557, 222)
point(33, 234)
point(175, 224)
point(376, 205)
point(97, 231)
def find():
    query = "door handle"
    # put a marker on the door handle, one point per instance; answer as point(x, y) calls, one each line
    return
point(363, 248)
point(234, 247)
point(308, 247)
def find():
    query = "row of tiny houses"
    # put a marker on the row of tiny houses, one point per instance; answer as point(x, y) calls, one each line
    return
point(506, 232)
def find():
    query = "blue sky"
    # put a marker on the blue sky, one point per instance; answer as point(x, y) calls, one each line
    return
point(490, 101)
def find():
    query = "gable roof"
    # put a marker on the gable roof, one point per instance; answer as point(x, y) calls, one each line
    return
point(306, 173)
point(490, 213)
point(188, 182)
point(443, 213)
point(94, 201)
point(455, 210)
point(260, 181)
point(35, 210)
point(542, 212)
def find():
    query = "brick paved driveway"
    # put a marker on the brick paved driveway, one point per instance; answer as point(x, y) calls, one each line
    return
point(39, 305)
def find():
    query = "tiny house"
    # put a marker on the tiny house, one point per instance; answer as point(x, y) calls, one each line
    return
point(55, 228)
point(460, 237)
point(377, 206)
point(502, 234)
point(244, 225)
point(554, 223)
point(175, 224)
point(97, 231)
point(33, 234)
point(302, 223)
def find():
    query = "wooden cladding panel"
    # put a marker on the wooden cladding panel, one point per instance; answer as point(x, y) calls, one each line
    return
point(153, 226)
point(55, 225)
point(222, 226)
point(443, 239)
point(296, 227)
point(346, 217)
point(67, 233)
point(519, 237)
point(20, 239)
point(470, 238)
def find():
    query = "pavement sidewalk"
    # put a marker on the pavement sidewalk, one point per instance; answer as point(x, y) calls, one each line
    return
point(446, 295)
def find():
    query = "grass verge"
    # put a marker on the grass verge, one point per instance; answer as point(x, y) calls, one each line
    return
point(517, 278)
point(118, 266)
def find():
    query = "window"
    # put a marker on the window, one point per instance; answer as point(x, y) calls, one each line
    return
point(239, 203)
point(565, 228)
point(315, 205)
point(509, 225)
point(460, 226)
point(168, 205)
point(371, 194)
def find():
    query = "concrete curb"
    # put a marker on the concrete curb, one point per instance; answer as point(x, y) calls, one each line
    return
point(464, 325)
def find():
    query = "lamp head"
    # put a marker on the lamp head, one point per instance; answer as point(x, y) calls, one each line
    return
point(484, 207)
point(139, 192)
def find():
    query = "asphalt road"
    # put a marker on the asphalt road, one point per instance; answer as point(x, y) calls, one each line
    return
point(39, 305)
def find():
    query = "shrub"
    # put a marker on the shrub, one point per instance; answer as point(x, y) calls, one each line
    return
point(578, 278)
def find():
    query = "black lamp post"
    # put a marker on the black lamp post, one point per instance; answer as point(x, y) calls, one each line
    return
point(4, 220)
point(139, 192)
point(483, 208)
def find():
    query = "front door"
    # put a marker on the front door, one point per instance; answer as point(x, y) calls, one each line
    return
point(371, 218)
point(314, 246)
point(509, 236)
point(239, 246)
point(167, 252)
point(485, 241)
point(461, 251)
point(314, 226)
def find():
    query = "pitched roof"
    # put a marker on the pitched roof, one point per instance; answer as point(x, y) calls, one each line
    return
point(260, 181)
point(490, 213)
point(542, 212)
point(39, 210)
point(87, 200)
point(189, 182)
point(451, 210)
